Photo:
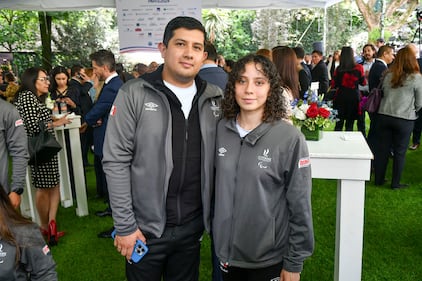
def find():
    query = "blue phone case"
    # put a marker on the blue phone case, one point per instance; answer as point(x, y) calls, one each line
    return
point(139, 250)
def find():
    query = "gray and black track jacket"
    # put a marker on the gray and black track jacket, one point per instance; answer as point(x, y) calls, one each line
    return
point(13, 143)
point(35, 262)
point(138, 154)
point(263, 212)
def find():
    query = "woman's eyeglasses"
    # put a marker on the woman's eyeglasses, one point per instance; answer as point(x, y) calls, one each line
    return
point(44, 79)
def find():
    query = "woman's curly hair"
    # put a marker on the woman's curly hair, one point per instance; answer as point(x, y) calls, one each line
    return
point(276, 104)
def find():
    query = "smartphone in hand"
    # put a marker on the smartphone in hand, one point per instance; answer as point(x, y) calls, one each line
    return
point(139, 250)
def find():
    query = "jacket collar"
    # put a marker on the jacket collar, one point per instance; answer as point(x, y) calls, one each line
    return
point(255, 134)
point(156, 80)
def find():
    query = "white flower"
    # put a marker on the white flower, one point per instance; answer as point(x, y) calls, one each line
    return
point(299, 114)
point(304, 107)
point(49, 103)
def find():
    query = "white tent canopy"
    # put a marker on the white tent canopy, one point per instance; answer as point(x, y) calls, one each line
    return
point(60, 5)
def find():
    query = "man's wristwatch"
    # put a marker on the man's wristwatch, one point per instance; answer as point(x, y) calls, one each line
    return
point(18, 191)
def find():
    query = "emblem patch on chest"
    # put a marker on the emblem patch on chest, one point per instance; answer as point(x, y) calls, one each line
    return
point(222, 151)
point(150, 106)
point(264, 159)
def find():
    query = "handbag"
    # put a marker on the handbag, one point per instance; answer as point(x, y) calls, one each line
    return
point(42, 147)
point(373, 100)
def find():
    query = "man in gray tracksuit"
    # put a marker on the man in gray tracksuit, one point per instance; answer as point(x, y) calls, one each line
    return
point(13, 143)
point(159, 158)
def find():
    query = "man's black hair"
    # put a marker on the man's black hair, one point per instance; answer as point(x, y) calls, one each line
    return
point(104, 57)
point(75, 69)
point(182, 22)
point(317, 52)
point(383, 49)
point(212, 52)
point(300, 52)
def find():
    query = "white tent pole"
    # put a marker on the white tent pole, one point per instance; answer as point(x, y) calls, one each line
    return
point(304, 32)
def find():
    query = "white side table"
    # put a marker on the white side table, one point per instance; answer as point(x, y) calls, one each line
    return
point(78, 168)
point(345, 156)
point(27, 206)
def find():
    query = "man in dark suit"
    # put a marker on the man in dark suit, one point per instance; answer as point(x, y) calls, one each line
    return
point(80, 81)
point(319, 72)
point(104, 65)
point(210, 71)
point(305, 76)
point(385, 56)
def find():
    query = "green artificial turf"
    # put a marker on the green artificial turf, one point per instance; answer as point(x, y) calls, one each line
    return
point(392, 234)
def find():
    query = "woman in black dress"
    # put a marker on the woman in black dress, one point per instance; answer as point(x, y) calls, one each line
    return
point(61, 93)
point(30, 102)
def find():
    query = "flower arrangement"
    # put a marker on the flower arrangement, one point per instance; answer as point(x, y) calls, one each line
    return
point(49, 103)
point(312, 112)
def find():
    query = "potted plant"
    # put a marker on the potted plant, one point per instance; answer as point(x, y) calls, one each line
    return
point(312, 115)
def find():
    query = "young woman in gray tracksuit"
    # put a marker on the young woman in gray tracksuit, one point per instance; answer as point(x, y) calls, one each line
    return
point(262, 225)
point(24, 255)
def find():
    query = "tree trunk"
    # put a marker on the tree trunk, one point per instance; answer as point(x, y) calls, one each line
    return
point(45, 29)
point(396, 19)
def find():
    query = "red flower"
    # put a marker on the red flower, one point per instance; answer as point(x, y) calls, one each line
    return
point(324, 112)
point(312, 111)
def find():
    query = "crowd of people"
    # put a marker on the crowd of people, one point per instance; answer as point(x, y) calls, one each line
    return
point(347, 79)
point(199, 143)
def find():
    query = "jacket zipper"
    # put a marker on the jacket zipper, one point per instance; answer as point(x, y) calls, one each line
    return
point(227, 263)
point(182, 176)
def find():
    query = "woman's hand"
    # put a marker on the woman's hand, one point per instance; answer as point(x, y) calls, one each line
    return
point(61, 121)
point(69, 102)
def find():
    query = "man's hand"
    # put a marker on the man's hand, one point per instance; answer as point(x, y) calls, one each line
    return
point(289, 276)
point(84, 78)
point(125, 244)
point(83, 128)
point(15, 199)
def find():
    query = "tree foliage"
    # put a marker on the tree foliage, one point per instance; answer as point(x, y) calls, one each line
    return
point(215, 23)
point(17, 30)
point(78, 34)
point(73, 36)
point(345, 27)
point(271, 28)
point(233, 35)
point(19, 35)
point(305, 27)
